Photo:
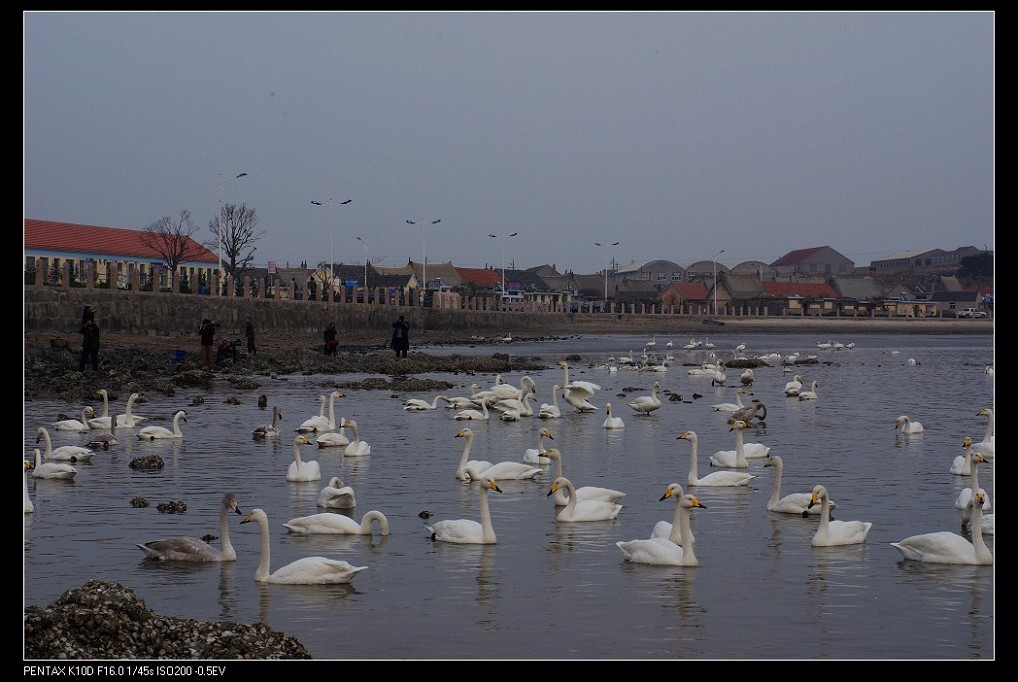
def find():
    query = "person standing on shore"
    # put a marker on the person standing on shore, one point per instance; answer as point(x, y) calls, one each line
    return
point(401, 337)
point(207, 331)
point(89, 344)
point(329, 336)
point(250, 334)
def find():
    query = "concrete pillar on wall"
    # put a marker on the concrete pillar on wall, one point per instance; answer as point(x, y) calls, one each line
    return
point(40, 276)
point(136, 279)
point(174, 282)
point(114, 275)
point(65, 275)
point(89, 275)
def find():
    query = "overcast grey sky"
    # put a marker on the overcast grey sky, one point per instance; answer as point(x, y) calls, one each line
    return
point(675, 134)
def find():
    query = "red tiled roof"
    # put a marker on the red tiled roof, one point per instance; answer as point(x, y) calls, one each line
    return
point(47, 235)
point(797, 256)
point(481, 277)
point(691, 291)
point(808, 289)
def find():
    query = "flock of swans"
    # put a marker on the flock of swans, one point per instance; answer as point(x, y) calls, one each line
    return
point(669, 543)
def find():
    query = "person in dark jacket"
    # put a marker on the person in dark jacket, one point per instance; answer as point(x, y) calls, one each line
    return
point(250, 334)
point(331, 343)
point(207, 331)
point(400, 337)
point(89, 344)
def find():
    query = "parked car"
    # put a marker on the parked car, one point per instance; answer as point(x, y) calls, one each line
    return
point(971, 312)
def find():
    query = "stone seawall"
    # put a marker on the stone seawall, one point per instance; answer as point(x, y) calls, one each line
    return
point(52, 309)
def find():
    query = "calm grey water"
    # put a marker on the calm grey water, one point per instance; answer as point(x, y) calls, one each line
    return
point(549, 589)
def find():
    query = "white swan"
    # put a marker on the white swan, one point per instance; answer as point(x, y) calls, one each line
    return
point(333, 439)
point(312, 570)
point(269, 430)
point(184, 548)
point(29, 505)
point(724, 479)
point(987, 519)
point(337, 495)
point(356, 447)
point(158, 432)
point(52, 469)
point(320, 423)
point(793, 387)
point(106, 439)
point(419, 405)
point(811, 394)
point(505, 471)
point(747, 377)
point(478, 466)
point(309, 424)
point(582, 510)
point(661, 551)
point(965, 496)
point(513, 410)
point(300, 470)
point(985, 446)
point(645, 404)
point(128, 419)
point(703, 370)
point(104, 420)
point(506, 391)
point(330, 522)
point(793, 503)
point(830, 533)
point(552, 410)
point(64, 453)
point(585, 492)
point(731, 407)
point(536, 455)
point(907, 425)
point(962, 464)
point(472, 414)
point(468, 531)
point(577, 393)
point(462, 402)
point(737, 458)
point(74, 424)
point(945, 547)
point(611, 422)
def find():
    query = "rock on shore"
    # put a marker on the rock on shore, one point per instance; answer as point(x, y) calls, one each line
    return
point(105, 620)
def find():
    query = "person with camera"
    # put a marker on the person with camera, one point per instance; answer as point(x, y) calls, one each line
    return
point(207, 331)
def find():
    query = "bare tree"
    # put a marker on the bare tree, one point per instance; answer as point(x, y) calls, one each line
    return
point(235, 225)
point(172, 240)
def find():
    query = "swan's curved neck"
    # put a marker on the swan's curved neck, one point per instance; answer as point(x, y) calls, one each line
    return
point(461, 473)
point(49, 443)
point(693, 473)
point(983, 554)
point(296, 454)
point(571, 503)
point(106, 404)
point(776, 488)
point(176, 425)
point(740, 449)
point(372, 516)
point(487, 530)
point(228, 552)
point(262, 573)
point(825, 516)
point(688, 557)
point(332, 412)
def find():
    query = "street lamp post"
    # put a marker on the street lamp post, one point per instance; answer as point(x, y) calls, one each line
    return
point(365, 245)
point(219, 221)
point(424, 252)
point(606, 267)
point(332, 260)
point(502, 253)
point(714, 258)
